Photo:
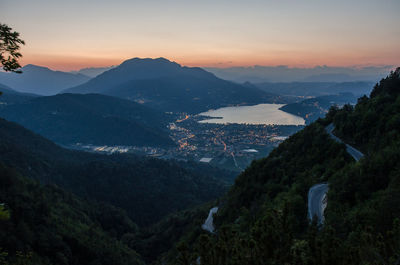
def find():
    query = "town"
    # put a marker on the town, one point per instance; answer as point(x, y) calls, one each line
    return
point(227, 146)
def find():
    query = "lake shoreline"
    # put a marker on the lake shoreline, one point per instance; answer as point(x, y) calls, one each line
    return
point(260, 114)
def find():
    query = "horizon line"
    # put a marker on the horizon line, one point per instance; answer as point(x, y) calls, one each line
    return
point(64, 67)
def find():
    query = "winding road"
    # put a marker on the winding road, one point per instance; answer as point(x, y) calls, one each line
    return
point(317, 198)
point(209, 223)
point(357, 155)
point(317, 201)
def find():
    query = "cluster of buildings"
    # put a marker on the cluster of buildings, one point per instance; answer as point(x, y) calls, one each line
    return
point(229, 146)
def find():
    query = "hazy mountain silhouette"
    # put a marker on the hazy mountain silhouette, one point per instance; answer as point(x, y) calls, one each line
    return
point(169, 86)
point(91, 119)
point(41, 80)
point(284, 73)
point(92, 71)
point(332, 77)
point(315, 89)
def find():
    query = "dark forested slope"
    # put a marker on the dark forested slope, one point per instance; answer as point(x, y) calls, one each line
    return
point(9, 96)
point(46, 225)
point(147, 189)
point(263, 218)
point(91, 119)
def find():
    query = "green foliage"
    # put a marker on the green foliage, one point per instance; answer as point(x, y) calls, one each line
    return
point(4, 213)
point(9, 49)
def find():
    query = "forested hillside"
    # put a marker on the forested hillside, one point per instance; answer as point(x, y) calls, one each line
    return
point(10, 96)
point(91, 119)
point(263, 218)
point(146, 188)
point(45, 225)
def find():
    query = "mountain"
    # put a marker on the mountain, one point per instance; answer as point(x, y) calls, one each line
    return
point(314, 108)
point(147, 189)
point(263, 219)
point(168, 86)
point(284, 73)
point(333, 77)
point(315, 89)
point(92, 71)
point(9, 96)
point(91, 119)
point(46, 225)
point(41, 80)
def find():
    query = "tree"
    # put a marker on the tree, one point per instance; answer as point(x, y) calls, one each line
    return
point(10, 44)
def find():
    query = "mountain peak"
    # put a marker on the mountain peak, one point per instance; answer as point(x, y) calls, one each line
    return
point(35, 67)
point(149, 62)
point(140, 68)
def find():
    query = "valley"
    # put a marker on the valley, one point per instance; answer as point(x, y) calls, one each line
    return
point(199, 132)
point(227, 146)
point(168, 184)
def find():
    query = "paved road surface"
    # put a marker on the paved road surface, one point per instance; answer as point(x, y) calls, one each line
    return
point(357, 155)
point(317, 201)
point(209, 223)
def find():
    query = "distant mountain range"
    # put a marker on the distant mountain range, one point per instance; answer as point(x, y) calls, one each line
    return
point(283, 73)
point(315, 89)
point(168, 86)
point(92, 71)
point(41, 80)
point(90, 119)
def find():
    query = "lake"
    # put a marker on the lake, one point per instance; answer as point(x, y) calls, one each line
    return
point(257, 114)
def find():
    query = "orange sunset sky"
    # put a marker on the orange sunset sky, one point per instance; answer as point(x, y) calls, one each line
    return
point(69, 35)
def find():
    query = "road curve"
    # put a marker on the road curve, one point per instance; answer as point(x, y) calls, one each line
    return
point(317, 201)
point(357, 155)
point(209, 223)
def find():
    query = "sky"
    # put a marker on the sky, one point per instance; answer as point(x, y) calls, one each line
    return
point(72, 34)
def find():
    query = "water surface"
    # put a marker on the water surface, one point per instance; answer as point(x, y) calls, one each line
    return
point(257, 114)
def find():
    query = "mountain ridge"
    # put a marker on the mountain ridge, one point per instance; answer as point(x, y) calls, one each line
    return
point(41, 80)
point(91, 119)
point(152, 81)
